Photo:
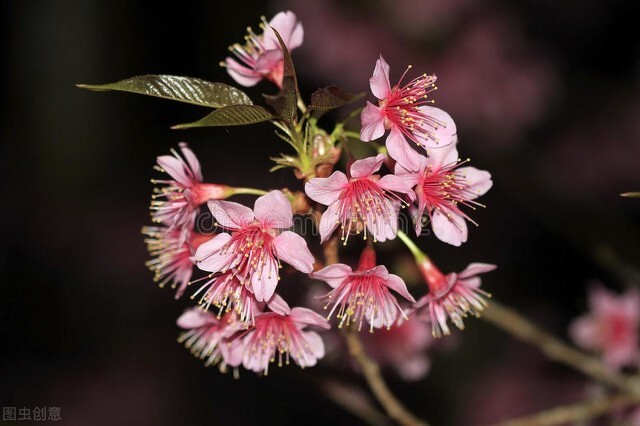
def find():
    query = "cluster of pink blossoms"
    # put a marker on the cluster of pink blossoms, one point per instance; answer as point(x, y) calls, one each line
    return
point(242, 318)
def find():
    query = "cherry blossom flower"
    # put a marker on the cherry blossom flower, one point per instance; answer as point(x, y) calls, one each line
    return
point(442, 187)
point(256, 245)
point(611, 326)
point(282, 332)
point(405, 111)
point(210, 338)
point(365, 201)
point(171, 254)
point(453, 296)
point(363, 294)
point(176, 203)
point(261, 57)
point(402, 348)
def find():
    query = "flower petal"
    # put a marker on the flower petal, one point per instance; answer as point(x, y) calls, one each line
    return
point(329, 221)
point(264, 281)
point(379, 81)
point(333, 275)
point(398, 285)
point(273, 210)
point(396, 184)
point(268, 61)
point(475, 269)
point(289, 28)
point(278, 305)
point(315, 345)
point(292, 249)
point(192, 160)
point(195, 318)
point(326, 190)
point(367, 166)
point(372, 121)
point(449, 229)
point(306, 316)
point(478, 181)
point(443, 128)
point(209, 256)
point(229, 214)
point(442, 156)
point(400, 150)
point(244, 76)
point(175, 168)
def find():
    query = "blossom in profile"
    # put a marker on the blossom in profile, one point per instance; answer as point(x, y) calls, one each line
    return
point(407, 113)
point(451, 297)
point(364, 294)
point(610, 327)
point(175, 203)
point(210, 338)
point(281, 334)
point(261, 56)
point(256, 244)
point(171, 253)
point(363, 202)
point(443, 187)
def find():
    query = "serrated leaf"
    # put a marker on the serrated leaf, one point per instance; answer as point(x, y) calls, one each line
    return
point(182, 89)
point(232, 115)
point(285, 102)
point(331, 97)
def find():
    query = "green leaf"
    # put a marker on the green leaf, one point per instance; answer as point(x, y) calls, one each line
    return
point(232, 115)
point(331, 97)
point(285, 101)
point(176, 88)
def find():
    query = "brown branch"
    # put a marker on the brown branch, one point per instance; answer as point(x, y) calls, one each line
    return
point(575, 413)
point(371, 371)
point(513, 323)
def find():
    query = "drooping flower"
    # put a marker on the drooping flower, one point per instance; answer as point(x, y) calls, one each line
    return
point(442, 187)
point(175, 204)
point(611, 326)
point(261, 57)
point(406, 112)
point(451, 297)
point(363, 294)
point(256, 245)
point(171, 253)
point(281, 333)
point(365, 201)
point(210, 338)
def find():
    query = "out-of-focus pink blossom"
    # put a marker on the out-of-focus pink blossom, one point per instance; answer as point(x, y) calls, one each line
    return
point(442, 187)
point(406, 112)
point(175, 204)
point(451, 297)
point(402, 347)
point(282, 334)
point(365, 201)
point(261, 57)
point(364, 294)
point(210, 338)
point(171, 252)
point(611, 326)
point(256, 245)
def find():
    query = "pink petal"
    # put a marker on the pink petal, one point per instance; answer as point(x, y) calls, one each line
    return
point(278, 305)
point(287, 25)
point(192, 160)
point(268, 61)
point(479, 181)
point(264, 281)
point(195, 318)
point(367, 166)
point(326, 190)
point(397, 184)
point(411, 178)
point(379, 81)
point(175, 168)
point(397, 284)
point(475, 269)
point(413, 368)
point(445, 134)
point(451, 230)
point(273, 210)
point(400, 150)
point(385, 226)
point(585, 332)
point(244, 76)
point(292, 249)
point(329, 221)
point(232, 352)
point(208, 256)
point(333, 275)
point(315, 345)
point(372, 121)
point(306, 316)
point(230, 215)
point(446, 155)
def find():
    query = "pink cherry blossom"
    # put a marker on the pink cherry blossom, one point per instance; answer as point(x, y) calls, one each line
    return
point(611, 326)
point(363, 294)
point(261, 57)
point(365, 201)
point(176, 203)
point(257, 243)
point(401, 347)
point(282, 333)
point(210, 338)
point(171, 252)
point(453, 296)
point(405, 111)
point(442, 187)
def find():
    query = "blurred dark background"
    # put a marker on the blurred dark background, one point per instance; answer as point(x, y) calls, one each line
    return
point(545, 95)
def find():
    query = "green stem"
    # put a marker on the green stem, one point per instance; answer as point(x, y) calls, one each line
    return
point(349, 134)
point(417, 253)
point(301, 105)
point(252, 191)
